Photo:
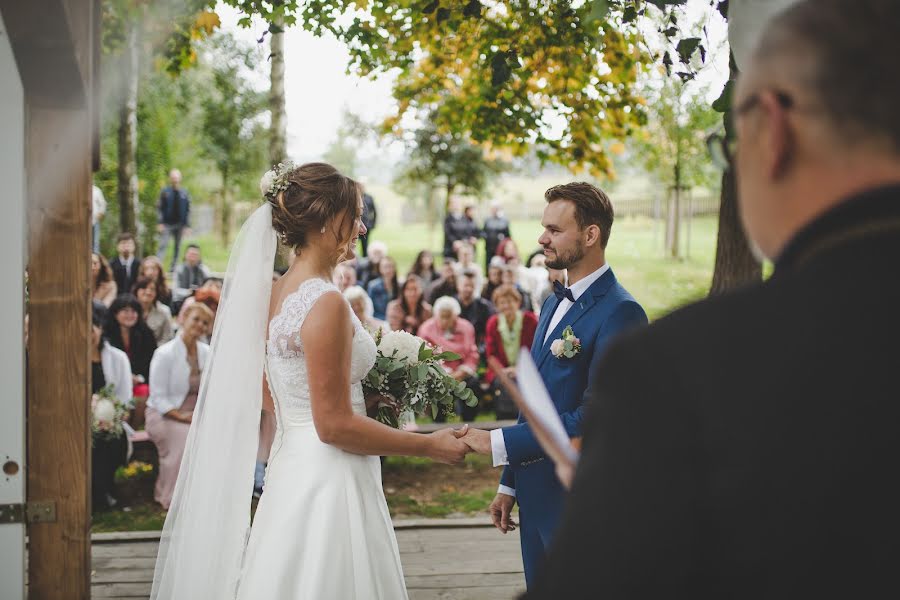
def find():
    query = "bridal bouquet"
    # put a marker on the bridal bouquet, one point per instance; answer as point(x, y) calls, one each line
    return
point(408, 373)
point(108, 414)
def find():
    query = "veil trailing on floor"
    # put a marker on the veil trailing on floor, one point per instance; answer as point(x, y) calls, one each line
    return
point(208, 523)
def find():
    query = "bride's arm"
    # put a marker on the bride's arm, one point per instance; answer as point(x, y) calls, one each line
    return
point(327, 335)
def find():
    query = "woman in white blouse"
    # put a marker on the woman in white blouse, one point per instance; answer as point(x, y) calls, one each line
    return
point(109, 366)
point(174, 384)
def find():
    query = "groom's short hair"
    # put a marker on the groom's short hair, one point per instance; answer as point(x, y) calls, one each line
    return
point(592, 206)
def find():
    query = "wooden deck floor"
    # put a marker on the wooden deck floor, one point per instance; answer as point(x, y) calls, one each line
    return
point(463, 561)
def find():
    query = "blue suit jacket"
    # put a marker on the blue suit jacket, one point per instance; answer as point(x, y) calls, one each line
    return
point(603, 311)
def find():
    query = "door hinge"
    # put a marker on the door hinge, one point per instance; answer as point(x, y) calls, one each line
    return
point(29, 512)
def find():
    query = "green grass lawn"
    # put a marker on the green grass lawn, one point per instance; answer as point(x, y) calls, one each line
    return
point(635, 252)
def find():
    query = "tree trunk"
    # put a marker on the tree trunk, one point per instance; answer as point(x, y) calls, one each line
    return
point(278, 136)
point(735, 263)
point(127, 168)
point(225, 213)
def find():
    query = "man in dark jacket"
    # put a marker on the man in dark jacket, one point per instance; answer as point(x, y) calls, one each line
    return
point(126, 265)
point(458, 229)
point(755, 460)
point(369, 219)
point(174, 210)
point(495, 230)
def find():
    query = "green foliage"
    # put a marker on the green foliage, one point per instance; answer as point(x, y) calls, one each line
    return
point(500, 74)
point(448, 160)
point(675, 136)
point(232, 133)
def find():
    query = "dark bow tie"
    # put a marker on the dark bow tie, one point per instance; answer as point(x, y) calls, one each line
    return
point(562, 291)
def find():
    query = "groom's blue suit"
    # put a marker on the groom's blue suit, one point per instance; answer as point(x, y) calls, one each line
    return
point(604, 310)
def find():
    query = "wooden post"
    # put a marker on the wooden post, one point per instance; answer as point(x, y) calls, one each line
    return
point(54, 46)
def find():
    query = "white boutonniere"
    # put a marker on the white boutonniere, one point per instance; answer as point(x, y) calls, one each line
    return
point(567, 346)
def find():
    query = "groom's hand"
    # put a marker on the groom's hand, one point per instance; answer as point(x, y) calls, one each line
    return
point(447, 447)
point(479, 441)
point(501, 509)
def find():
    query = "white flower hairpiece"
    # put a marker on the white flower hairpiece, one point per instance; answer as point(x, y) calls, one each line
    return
point(275, 179)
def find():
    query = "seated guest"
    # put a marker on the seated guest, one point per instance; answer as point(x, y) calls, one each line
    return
point(367, 268)
point(385, 288)
point(109, 365)
point(510, 276)
point(125, 266)
point(190, 274)
point(466, 262)
point(344, 276)
point(447, 330)
point(104, 286)
point(445, 285)
point(362, 307)
point(209, 292)
point(494, 277)
point(475, 310)
point(156, 314)
point(152, 268)
point(410, 310)
point(508, 250)
point(551, 276)
point(507, 331)
point(423, 267)
point(174, 385)
point(126, 330)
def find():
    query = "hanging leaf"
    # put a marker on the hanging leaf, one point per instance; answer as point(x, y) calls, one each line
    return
point(599, 10)
point(686, 48)
point(472, 9)
point(629, 15)
point(723, 8)
point(667, 62)
point(500, 71)
point(723, 102)
point(430, 7)
point(702, 54)
point(442, 14)
point(273, 28)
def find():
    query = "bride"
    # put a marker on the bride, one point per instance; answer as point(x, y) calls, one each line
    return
point(322, 528)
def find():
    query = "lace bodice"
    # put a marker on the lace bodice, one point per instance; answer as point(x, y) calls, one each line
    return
point(286, 362)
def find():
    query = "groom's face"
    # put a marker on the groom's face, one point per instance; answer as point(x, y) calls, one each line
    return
point(562, 240)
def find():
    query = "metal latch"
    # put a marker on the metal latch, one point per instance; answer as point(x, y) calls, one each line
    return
point(30, 512)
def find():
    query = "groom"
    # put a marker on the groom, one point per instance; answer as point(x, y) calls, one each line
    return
point(595, 308)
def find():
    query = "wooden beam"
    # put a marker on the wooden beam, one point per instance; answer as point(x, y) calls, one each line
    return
point(59, 134)
point(49, 56)
point(58, 181)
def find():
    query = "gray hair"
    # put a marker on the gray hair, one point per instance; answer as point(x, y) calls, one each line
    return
point(842, 54)
point(447, 303)
point(354, 293)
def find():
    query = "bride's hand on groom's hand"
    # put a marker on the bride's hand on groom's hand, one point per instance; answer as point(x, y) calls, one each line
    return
point(447, 447)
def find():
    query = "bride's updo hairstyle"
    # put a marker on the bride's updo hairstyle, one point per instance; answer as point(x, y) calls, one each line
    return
point(307, 199)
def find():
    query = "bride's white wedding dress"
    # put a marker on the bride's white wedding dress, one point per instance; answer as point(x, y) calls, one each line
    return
point(322, 529)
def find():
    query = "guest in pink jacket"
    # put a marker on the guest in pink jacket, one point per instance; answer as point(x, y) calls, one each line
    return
point(447, 331)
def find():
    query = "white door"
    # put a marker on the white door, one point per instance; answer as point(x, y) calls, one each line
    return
point(12, 352)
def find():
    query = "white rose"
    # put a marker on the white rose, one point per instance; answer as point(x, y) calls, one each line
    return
point(403, 343)
point(557, 347)
point(105, 410)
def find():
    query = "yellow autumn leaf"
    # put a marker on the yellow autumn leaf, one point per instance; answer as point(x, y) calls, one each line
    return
point(207, 21)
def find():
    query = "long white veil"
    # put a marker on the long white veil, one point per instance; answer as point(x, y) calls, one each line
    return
point(208, 523)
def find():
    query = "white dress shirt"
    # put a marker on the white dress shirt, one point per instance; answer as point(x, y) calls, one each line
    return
point(117, 371)
point(498, 443)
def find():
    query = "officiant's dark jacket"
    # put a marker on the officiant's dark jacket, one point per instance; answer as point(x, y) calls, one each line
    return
point(748, 446)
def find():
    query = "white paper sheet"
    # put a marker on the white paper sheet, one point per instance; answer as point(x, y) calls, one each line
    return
point(535, 395)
